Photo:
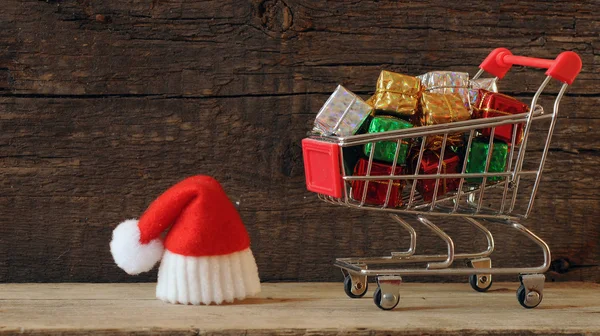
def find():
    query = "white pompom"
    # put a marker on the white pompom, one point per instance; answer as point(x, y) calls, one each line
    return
point(131, 255)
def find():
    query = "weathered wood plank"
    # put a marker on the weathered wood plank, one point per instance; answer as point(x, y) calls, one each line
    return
point(297, 309)
point(219, 48)
point(301, 246)
point(85, 176)
point(104, 105)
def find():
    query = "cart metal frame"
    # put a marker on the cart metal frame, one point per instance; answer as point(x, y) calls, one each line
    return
point(466, 203)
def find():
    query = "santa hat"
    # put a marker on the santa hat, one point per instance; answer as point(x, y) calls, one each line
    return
point(207, 258)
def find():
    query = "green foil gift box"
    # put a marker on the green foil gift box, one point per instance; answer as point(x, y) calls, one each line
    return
point(385, 150)
point(478, 156)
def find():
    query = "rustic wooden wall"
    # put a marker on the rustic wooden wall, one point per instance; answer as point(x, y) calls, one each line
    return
point(104, 104)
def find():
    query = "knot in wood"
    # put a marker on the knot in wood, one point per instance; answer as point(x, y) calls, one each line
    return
point(275, 15)
point(103, 19)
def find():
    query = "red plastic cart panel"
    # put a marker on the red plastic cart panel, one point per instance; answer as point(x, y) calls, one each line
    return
point(322, 167)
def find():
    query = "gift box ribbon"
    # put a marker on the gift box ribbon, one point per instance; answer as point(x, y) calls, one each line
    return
point(383, 90)
point(485, 95)
point(385, 182)
point(453, 112)
point(434, 143)
point(488, 109)
point(446, 87)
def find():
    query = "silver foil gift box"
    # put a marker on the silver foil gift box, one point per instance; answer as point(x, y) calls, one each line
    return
point(447, 82)
point(342, 114)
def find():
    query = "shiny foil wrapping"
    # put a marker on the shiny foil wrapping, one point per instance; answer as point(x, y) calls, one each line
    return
point(377, 190)
point(447, 82)
point(478, 156)
point(493, 104)
point(454, 141)
point(429, 165)
point(475, 85)
point(385, 150)
point(439, 108)
point(371, 101)
point(342, 114)
point(397, 94)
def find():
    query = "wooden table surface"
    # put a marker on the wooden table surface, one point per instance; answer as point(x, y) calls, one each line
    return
point(298, 309)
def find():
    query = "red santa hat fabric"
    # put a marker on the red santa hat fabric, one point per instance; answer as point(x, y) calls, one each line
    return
point(202, 225)
point(203, 220)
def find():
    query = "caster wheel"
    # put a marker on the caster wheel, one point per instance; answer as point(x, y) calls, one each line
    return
point(356, 290)
point(480, 283)
point(390, 301)
point(531, 300)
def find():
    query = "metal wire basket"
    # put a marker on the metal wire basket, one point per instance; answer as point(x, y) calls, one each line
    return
point(504, 197)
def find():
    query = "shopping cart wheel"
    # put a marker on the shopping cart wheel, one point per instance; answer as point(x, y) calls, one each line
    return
point(531, 291)
point(387, 294)
point(355, 286)
point(480, 282)
point(389, 302)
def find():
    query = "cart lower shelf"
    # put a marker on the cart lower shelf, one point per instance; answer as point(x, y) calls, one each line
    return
point(298, 309)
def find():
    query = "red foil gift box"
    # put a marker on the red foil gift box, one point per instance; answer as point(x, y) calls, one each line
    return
point(377, 190)
point(493, 104)
point(429, 165)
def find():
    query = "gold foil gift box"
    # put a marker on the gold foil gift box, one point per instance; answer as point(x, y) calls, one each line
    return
point(397, 94)
point(439, 108)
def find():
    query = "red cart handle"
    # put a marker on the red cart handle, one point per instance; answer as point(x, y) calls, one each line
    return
point(564, 68)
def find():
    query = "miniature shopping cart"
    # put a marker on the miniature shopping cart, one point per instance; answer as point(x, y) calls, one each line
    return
point(496, 198)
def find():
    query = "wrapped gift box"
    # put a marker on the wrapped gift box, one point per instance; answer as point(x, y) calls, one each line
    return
point(377, 190)
point(385, 150)
point(342, 114)
point(447, 82)
point(439, 108)
point(397, 94)
point(493, 104)
point(429, 165)
point(477, 158)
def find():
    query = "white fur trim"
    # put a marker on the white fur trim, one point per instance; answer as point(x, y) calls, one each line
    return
point(206, 280)
point(131, 255)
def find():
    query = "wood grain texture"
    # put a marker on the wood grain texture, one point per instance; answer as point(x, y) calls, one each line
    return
point(105, 104)
point(298, 309)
